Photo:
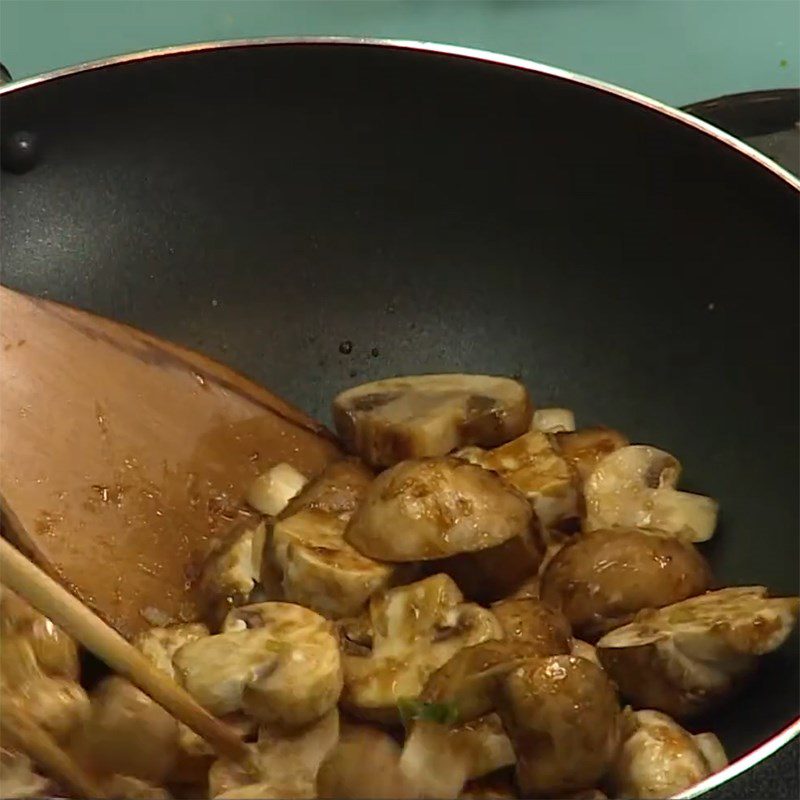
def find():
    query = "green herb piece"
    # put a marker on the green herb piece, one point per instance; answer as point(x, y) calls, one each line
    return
point(784, 62)
point(411, 710)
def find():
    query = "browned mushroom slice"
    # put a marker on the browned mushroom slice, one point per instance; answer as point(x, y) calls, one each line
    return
point(408, 633)
point(695, 653)
point(531, 465)
point(601, 579)
point(307, 551)
point(582, 449)
point(562, 716)
point(465, 686)
point(658, 758)
point(396, 419)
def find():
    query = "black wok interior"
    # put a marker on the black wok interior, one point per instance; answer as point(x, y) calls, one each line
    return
point(265, 204)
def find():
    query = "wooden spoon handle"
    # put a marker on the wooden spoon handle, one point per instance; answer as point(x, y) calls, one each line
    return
point(25, 735)
point(64, 609)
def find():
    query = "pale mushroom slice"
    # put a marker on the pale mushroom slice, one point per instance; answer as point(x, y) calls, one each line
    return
point(482, 529)
point(553, 420)
point(18, 777)
point(406, 635)
point(232, 569)
point(272, 490)
point(697, 652)
point(279, 760)
point(308, 553)
point(395, 419)
point(659, 759)
point(583, 448)
point(305, 682)
point(531, 464)
point(563, 718)
point(159, 645)
point(634, 487)
point(439, 758)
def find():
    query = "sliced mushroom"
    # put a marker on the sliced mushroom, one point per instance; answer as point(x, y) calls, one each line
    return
point(439, 758)
point(129, 733)
point(658, 758)
point(601, 579)
point(159, 645)
point(407, 634)
point(695, 653)
point(543, 628)
point(563, 719)
point(392, 420)
point(19, 779)
point(582, 449)
point(280, 760)
point(467, 683)
point(307, 550)
point(216, 669)
point(585, 650)
point(272, 490)
point(553, 420)
point(437, 509)
point(54, 652)
point(531, 465)
point(305, 682)
point(232, 569)
point(634, 487)
point(365, 765)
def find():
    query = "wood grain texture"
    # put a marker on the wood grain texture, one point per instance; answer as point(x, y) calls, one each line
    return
point(124, 456)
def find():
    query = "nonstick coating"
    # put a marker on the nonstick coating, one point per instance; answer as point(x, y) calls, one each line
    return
point(266, 204)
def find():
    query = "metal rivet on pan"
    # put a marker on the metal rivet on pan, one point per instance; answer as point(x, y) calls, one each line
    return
point(19, 152)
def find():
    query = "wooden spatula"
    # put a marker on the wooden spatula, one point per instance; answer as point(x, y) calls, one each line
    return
point(123, 456)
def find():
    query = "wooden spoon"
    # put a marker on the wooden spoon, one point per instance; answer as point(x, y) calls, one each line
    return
point(123, 456)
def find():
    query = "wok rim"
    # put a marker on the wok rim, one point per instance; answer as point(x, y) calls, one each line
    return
point(457, 51)
point(790, 731)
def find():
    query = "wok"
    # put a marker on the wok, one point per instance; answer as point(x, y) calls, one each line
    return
point(445, 210)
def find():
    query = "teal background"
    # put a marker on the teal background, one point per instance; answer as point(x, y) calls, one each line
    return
point(676, 50)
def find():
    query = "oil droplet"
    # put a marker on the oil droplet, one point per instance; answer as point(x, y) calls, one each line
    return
point(346, 347)
point(199, 378)
point(374, 352)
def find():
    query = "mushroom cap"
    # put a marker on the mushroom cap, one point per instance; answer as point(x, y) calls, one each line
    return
point(436, 508)
point(634, 487)
point(306, 679)
point(600, 579)
point(696, 652)
point(563, 718)
point(407, 634)
point(658, 758)
point(582, 449)
point(395, 419)
point(316, 566)
point(128, 732)
point(531, 465)
point(544, 628)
